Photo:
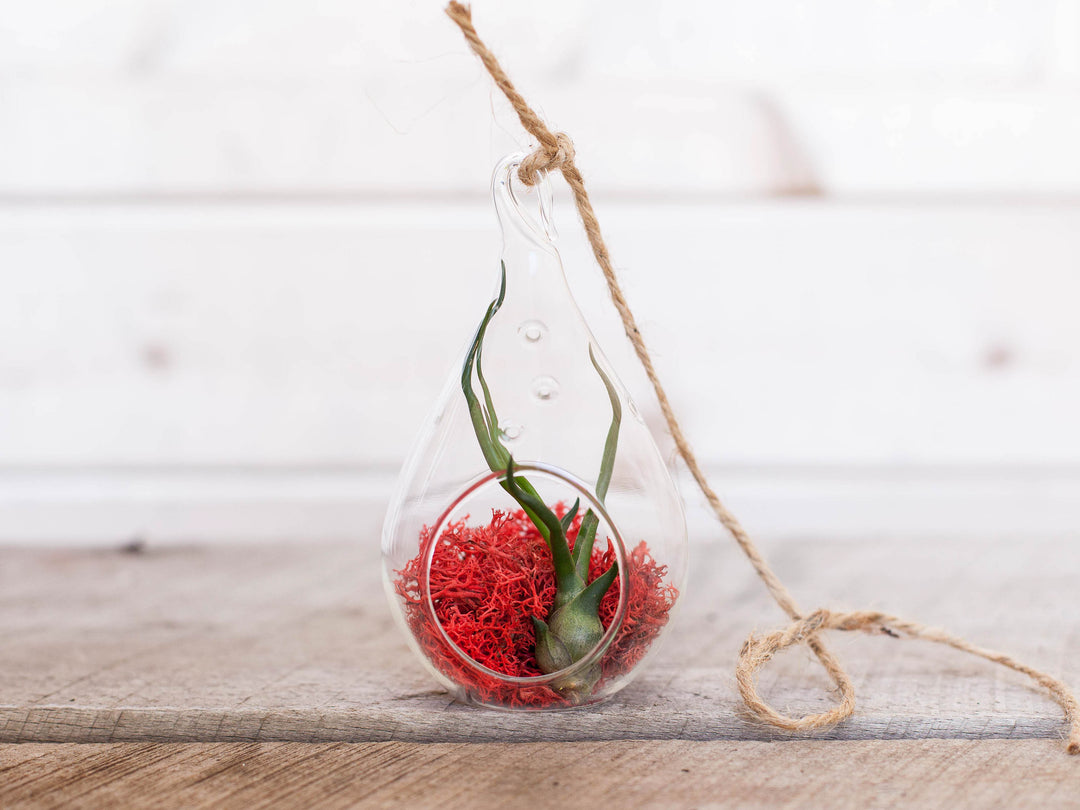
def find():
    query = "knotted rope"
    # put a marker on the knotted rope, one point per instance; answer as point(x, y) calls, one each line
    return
point(556, 152)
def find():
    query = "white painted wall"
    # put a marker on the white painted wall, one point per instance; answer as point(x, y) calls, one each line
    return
point(242, 242)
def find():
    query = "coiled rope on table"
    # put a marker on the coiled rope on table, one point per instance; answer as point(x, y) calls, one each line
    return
point(556, 153)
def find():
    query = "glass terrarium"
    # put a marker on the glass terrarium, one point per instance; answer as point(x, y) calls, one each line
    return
point(536, 547)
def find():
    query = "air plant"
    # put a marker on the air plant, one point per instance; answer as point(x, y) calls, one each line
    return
point(572, 629)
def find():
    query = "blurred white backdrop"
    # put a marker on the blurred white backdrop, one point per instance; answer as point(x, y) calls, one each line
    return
point(242, 242)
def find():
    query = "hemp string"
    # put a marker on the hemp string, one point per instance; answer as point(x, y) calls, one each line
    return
point(556, 152)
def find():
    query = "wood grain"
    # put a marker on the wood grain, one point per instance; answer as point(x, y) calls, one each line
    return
point(296, 643)
point(932, 774)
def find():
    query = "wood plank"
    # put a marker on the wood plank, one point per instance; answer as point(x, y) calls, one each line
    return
point(151, 98)
point(296, 643)
point(246, 335)
point(945, 774)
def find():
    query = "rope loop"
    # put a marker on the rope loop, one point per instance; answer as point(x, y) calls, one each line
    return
point(545, 159)
point(757, 651)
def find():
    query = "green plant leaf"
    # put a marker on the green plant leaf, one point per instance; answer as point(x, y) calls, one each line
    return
point(587, 533)
point(566, 577)
point(568, 518)
point(607, 462)
point(484, 421)
point(588, 601)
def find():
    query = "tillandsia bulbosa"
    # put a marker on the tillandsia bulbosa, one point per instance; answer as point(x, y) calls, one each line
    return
point(573, 628)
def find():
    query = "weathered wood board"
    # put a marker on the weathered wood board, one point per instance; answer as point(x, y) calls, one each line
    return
point(296, 643)
point(855, 775)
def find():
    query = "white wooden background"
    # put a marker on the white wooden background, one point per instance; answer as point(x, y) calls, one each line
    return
point(242, 241)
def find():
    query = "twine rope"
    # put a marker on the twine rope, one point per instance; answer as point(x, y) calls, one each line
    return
point(555, 152)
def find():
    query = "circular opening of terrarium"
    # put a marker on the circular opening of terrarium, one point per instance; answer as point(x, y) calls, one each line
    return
point(524, 578)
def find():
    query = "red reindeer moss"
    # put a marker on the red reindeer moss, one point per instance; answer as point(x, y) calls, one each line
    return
point(486, 581)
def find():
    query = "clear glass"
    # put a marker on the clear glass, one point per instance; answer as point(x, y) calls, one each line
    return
point(557, 401)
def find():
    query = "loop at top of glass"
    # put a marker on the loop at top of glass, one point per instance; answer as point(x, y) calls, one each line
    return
point(512, 198)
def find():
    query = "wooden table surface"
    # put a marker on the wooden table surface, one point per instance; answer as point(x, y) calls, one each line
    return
point(212, 671)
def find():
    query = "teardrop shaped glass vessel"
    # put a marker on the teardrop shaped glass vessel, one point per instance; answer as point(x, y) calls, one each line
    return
point(535, 547)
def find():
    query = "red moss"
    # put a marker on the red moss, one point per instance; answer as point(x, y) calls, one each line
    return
point(486, 581)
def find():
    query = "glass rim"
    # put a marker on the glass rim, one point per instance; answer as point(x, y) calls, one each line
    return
point(596, 654)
